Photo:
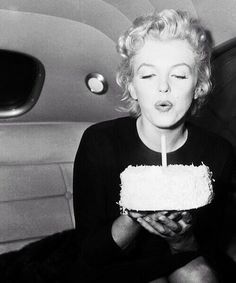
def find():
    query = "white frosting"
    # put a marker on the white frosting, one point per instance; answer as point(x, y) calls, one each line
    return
point(176, 187)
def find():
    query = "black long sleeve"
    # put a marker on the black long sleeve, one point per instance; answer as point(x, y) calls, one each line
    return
point(91, 180)
point(106, 149)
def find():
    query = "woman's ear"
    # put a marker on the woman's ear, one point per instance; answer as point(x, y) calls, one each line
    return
point(198, 92)
point(132, 91)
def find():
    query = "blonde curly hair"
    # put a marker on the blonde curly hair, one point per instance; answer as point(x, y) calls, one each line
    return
point(168, 24)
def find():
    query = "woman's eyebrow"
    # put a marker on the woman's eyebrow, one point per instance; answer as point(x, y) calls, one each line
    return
point(182, 64)
point(173, 66)
point(145, 65)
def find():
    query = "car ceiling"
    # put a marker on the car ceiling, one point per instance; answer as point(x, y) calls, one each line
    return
point(75, 37)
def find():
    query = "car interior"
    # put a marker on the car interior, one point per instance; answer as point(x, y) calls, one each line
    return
point(58, 69)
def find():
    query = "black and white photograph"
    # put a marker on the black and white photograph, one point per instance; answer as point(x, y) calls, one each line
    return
point(117, 141)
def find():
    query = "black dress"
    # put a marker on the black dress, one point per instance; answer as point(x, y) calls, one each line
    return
point(106, 149)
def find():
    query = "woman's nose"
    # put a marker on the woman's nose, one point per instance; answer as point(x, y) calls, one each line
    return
point(164, 86)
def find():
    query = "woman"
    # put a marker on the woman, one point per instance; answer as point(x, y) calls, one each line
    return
point(165, 75)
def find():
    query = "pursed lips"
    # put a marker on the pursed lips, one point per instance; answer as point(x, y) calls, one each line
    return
point(163, 105)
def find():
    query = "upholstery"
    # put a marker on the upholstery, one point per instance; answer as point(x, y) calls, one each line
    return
point(36, 168)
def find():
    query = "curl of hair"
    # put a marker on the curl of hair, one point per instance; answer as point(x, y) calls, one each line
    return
point(166, 25)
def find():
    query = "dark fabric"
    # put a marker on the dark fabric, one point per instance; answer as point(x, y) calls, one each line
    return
point(50, 260)
point(106, 149)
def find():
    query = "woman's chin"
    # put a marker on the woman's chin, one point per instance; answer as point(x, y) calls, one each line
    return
point(169, 123)
point(166, 125)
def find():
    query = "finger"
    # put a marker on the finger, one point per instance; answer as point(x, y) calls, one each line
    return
point(163, 217)
point(164, 212)
point(161, 228)
point(170, 224)
point(184, 226)
point(175, 216)
point(145, 224)
point(155, 216)
point(135, 215)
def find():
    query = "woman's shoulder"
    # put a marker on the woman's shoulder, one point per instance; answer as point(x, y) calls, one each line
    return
point(106, 136)
point(210, 139)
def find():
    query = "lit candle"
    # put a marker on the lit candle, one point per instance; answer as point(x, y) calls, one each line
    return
point(163, 151)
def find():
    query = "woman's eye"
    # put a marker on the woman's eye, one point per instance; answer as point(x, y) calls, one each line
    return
point(181, 77)
point(147, 76)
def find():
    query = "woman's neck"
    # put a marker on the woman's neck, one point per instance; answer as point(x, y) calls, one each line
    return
point(151, 136)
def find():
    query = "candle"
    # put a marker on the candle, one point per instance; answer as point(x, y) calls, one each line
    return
point(163, 151)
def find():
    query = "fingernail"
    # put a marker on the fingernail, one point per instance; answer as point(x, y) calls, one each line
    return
point(162, 218)
point(139, 219)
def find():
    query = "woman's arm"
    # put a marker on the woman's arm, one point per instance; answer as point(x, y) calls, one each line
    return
point(125, 228)
point(102, 237)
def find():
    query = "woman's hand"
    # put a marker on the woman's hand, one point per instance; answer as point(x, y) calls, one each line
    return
point(166, 224)
point(136, 214)
point(174, 227)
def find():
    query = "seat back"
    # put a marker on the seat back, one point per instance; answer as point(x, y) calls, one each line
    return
point(36, 168)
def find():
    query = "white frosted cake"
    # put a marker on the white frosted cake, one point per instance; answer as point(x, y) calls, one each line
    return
point(175, 187)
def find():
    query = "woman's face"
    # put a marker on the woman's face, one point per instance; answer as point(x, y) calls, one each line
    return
point(165, 76)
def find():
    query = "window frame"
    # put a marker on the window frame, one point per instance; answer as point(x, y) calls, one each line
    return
point(33, 97)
